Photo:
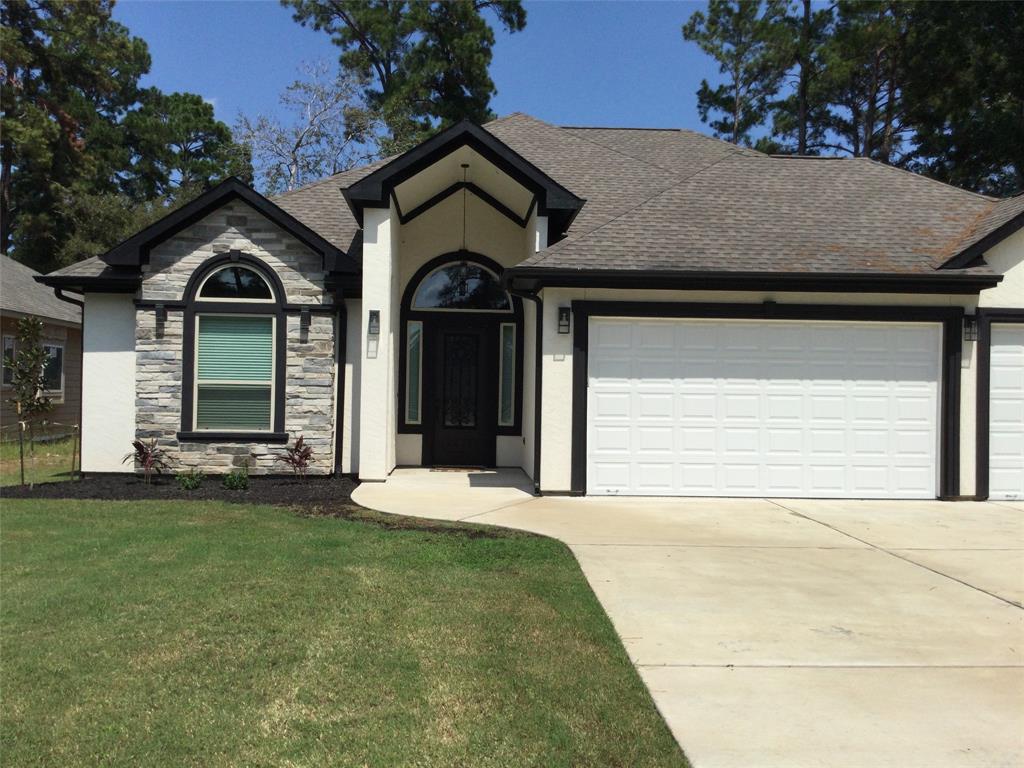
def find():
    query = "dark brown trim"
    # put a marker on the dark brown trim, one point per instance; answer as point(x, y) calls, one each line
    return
point(533, 278)
point(192, 308)
point(950, 317)
point(407, 313)
point(469, 186)
point(232, 437)
point(126, 284)
point(985, 318)
point(977, 249)
point(373, 190)
point(135, 250)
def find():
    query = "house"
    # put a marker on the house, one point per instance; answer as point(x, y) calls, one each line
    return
point(21, 296)
point(614, 311)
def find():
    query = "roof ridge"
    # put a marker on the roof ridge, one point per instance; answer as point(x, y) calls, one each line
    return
point(617, 128)
point(632, 158)
point(922, 176)
point(548, 251)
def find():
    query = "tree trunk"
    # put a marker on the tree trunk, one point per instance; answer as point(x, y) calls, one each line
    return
point(803, 61)
point(7, 160)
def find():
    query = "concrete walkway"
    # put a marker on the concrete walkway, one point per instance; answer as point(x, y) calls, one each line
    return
point(792, 633)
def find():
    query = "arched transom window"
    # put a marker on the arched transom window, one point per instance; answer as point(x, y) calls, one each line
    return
point(464, 286)
point(235, 283)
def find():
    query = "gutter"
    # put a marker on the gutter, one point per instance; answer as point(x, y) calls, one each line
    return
point(535, 278)
point(538, 377)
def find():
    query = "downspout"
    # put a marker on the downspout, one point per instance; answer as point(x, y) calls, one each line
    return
point(59, 293)
point(538, 376)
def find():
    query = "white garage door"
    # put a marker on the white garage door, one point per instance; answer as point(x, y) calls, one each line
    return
point(1006, 413)
point(763, 408)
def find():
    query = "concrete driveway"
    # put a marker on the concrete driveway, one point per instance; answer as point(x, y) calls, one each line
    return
point(793, 632)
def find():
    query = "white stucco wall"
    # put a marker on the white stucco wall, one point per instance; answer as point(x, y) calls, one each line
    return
point(434, 233)
point(108, 382)
point(353, 366)
point(556, 434)
point(377, 416)
point(1007, 258)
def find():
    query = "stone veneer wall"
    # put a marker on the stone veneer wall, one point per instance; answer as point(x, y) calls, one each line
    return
point(309, 378)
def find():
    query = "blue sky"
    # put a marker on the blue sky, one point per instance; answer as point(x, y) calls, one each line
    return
point(576, 63)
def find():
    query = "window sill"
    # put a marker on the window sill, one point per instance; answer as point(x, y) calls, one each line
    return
point(208, 436)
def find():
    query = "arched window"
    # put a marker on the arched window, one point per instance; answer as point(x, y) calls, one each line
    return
point(233, 339)
point(235, 283)
point(461, 286)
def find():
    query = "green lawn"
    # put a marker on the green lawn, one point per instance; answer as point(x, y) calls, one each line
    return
point(194, 633)
point(48, 462)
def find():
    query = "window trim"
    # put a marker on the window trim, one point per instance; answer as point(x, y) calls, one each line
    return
point(14, 351)
point(418, 421)
point(276, 433)
point(272, 382)
point(217, 270)
point(501, 373)
point(56, 393)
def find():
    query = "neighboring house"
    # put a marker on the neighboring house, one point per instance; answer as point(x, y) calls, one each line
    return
point(21, 296)
point(615, 311)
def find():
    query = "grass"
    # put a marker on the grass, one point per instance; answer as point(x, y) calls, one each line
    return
point(49, 462)
point(170, 634)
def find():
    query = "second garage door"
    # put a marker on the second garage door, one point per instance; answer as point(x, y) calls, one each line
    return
point(763, 408)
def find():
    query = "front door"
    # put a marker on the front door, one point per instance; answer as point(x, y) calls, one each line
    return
point(464, 396)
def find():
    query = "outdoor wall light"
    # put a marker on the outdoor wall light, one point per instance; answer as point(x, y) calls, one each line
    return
point(373, 326)
point(564, 313)
point(161, 313)
point(304, 319)
point(970, 328)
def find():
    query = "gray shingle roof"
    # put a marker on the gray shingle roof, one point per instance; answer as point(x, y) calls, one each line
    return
point(765, 214)
point(679, 200)
point(1002, 212)
point(19, 292)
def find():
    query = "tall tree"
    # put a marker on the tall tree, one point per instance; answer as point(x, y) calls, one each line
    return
point(68, 73)
point(424, 61)
point(69, 88)
point(743, 36)
point(798, 118)
point(177, 144)
point(964, 93)
point(330, 130)
point(863, 77)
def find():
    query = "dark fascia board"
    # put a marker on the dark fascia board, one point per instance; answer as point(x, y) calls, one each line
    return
point(469, 186)
point(126, 284)
point(535, 278)
point(977, 250)
point(373, 191)
point(135, 250)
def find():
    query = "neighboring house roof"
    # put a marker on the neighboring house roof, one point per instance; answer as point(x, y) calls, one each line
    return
point(21, 294)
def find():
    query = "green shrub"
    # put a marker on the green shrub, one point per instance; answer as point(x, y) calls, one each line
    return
point(190, 480)
point(237, 480)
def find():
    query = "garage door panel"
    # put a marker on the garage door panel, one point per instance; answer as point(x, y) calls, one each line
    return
point(1006, 412)
point(749, 409)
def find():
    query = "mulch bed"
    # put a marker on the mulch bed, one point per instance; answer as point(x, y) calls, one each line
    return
point(285, 491)
point(314, 497)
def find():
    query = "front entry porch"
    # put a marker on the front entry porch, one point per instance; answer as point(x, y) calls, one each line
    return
point(450, 494)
